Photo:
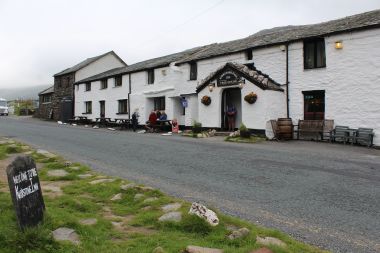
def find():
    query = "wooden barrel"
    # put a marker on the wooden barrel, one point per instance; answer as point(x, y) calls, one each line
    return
point(284, 129)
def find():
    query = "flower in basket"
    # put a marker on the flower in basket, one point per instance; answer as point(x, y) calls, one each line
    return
point(206, 100)
point(250, 97)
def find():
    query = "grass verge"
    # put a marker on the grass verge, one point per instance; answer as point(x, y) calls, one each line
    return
point(128, 224)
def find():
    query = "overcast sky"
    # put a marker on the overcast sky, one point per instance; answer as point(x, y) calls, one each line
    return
point(42, 37)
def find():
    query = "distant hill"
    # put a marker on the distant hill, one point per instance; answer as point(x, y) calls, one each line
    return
point(22, 92)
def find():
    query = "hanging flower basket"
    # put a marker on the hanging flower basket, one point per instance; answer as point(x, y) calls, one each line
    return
point(250, 98)
point(206, 100)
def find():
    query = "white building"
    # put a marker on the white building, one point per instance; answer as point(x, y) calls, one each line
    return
point(329, 70)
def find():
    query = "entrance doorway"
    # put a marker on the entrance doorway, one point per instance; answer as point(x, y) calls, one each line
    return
point(314, 105)
point(231, 97)
point(102, 108)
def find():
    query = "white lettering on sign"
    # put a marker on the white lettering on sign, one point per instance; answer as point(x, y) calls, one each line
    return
point(22, 177)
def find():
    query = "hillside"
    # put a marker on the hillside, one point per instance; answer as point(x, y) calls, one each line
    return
point(22, 92)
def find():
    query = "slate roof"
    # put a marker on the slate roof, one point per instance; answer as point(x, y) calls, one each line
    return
point(144, 65)
point(280, 35)
point(47, 91)
point(248, 71)
point(267, 37)
point(86, 62)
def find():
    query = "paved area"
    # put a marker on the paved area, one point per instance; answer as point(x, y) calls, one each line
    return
point(324, 194)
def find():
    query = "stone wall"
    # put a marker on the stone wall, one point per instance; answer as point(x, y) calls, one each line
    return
point(44, 107)
point(63, 87)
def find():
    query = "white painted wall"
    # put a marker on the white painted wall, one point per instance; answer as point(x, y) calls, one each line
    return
point(351, 80)
point(105, 63)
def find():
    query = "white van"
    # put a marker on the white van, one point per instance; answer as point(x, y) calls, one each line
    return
point(3, 107)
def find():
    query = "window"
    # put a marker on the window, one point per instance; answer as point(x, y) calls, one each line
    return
point(103, 84)
point(314, 54)
point(159, 103)
point(88, 107)
point(123, 106)
point(314, 105)
point(248, 54)
point(88, 87)
point(46, 99)
point(118, 81)
point(150, 76)
point(193, 71)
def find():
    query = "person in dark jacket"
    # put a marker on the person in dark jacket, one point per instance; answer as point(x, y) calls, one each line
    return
point(135, 120)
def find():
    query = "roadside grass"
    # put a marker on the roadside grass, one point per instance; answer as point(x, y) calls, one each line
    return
point(252, 139)
point(129, 224)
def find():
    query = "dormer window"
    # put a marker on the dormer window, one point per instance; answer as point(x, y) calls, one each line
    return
point(193, 71)
point(151, 76)
point(314, 53)
point(103, 84)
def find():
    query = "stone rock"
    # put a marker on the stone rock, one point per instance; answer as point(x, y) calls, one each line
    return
point(66, 234)
point(74, 168)
point(45, 153)
point(28, 152)
point(146, 208)
point(102, 180)
point(238, 233)
point(146, 188)
point(171, 207)
point(205, 213)
point(172, 216)
point(90, 221)
point(139, 196)
point(197, 249)
point(270, 241)
point(68, 163)
point(52, 188)
point(158, 250)
point(83, 176)
point(148, 200)
point(116, 197)
point(127, 186)
point(57, 173)
point(24, 147)
point(262, 250)
point(199, 135)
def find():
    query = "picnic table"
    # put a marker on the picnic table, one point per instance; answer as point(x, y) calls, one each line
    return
point(123, 123)
point(163, 125)
point(103, 121)
point(80, 120)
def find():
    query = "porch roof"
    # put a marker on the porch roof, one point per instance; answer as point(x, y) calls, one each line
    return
point(248, 71)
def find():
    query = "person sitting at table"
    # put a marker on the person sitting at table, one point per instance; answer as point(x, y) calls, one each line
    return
point(158, 114)
point(163, 116)
point(151, 122)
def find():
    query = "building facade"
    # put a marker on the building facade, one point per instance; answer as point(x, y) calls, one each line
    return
point(329, 70)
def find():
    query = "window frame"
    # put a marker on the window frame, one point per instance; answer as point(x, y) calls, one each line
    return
point(87, 86)
point(249, 54)
point(150, 73)
point(193, 71)
point(104, 84)
point(120, 101)
point(159, 103)
point(317, 51)
point(46, 99)
point(88, 107)
point(118, 81)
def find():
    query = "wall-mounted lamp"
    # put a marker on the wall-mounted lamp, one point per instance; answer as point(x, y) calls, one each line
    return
point(241, 85)
point(211, 87)
point(338, 44)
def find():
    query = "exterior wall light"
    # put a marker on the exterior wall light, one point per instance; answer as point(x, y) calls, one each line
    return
point(211, 87)
point(241, 85)
point(338, 45)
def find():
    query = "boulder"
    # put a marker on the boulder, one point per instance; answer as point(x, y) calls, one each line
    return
point(66, 234)
point(171, 216)
point(197, 249)
point(116, 197)
point(171, 207)
point(57, 173)
point(270, 241)
point(242, 232)
point(205, 213)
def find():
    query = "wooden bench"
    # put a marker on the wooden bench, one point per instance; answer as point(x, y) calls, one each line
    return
point(313, 127)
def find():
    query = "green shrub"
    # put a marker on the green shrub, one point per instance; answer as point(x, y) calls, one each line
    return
point(244, 131)
point(13, 150)
point(197, 127)
point(194, 224)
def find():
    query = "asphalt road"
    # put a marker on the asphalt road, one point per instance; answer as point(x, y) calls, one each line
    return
point(324, 194)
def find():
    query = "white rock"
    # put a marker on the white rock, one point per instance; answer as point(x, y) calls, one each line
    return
point(238, 233)
point(45, 153)
point(127, 186)
point(197, 249)
point(112, 129)
point(95, 127)
point(103, 180)
point(90, 221)
point(148, 200)
point(83, 176)
point(205, 213)
point(60, 122)
point(270, 240)
point(139, 196)
point(74, 124)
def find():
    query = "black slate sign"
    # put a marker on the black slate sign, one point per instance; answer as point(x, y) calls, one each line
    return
point(25, 189)
point(229, 78)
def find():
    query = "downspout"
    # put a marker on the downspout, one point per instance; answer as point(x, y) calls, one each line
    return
point(287, 79)
point(129, 93)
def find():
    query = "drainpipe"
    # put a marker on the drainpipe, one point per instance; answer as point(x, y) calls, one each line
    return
point(287, 79)
point(129, 93)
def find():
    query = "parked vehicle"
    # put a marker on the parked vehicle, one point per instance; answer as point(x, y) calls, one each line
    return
point(3, 107)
